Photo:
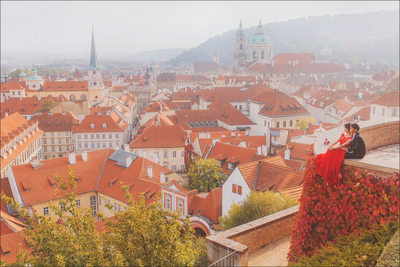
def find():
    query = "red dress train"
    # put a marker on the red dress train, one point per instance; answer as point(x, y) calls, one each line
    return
point(329, 164)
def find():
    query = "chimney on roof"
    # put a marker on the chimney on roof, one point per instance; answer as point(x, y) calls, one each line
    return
point(84, 156)
point(71, 158)
point(162, 178)
point(6, 114)
point(287, 153)
point(150, 171)
point(35, 163)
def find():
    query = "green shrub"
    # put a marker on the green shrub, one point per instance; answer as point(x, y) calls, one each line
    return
point(200, 245)
point(357, 250)
point(256, 205)
point(390, 255)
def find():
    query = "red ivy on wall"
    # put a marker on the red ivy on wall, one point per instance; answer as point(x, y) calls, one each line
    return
point(327, 211)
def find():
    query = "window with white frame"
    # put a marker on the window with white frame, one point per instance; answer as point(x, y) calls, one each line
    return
point(180, 205)
point(168, 202)
point(78, 202)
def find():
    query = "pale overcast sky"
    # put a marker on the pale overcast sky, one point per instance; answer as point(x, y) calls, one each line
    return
point(127, 27)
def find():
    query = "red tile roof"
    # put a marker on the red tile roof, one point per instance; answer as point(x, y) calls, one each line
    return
point(65, 86)
point(209, 204)
point(11, 244)
point(283, 105)
point(6, 87)
point(113, 124)
point(25, 105)
point(160, 136)
point(273, 174)
point(298, 151)
point(231, 153)
point(56, 122)
point(390, 99)
point(302, 58)
point(361, 115)
point(93, 176)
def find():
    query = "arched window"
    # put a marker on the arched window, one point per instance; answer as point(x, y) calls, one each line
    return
point(104, 125)
point(92, 125)
point(72, 97)
point(94, 72)
point(83, 97)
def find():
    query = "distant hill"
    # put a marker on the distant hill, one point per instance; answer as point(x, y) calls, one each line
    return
point(160, 55)
point(372, 37)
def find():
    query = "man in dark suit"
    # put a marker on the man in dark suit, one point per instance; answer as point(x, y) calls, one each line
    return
point(356, 150)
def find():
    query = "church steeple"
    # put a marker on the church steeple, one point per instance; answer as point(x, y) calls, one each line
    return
point(260, 28)
point(240, 30)
point(93, 56)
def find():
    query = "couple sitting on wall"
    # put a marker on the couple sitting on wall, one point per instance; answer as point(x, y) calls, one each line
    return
point(351, 146)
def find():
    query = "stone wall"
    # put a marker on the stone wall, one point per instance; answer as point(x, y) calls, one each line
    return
point(380, 135)
point(246, 238)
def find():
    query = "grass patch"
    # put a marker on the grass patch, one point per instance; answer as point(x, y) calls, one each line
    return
point(356, 250)
point(390, 255)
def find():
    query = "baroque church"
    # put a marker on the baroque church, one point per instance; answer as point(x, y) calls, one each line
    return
point(257, 49)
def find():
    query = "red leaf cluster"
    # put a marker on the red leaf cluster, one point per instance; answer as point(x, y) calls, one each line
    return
point(328, 211)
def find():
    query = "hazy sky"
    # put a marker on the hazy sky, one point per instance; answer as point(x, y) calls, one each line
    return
point(127, 27)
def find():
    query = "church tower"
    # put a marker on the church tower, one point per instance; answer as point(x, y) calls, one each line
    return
point(240, 49)
point(95, 79)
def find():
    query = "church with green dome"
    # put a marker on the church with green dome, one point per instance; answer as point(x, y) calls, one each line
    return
point(257, 49)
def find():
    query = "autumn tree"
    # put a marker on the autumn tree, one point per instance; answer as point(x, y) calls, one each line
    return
point(206, 175)
point(148, 235)
point(256, 205)
point(303, 123)
point(47, 105)
point(142, 235)
point(71, 240)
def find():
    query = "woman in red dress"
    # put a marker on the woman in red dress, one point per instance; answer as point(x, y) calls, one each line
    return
point(329, 164)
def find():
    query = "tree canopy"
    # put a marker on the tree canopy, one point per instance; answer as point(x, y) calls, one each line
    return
point(47, 105)
point(206, 175)
point(256, 205)
point(303, 123)
point(142, 235)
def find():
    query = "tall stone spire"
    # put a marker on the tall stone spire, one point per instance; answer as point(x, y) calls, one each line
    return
point(260, 28)
point(240, 30)
point(93, 56)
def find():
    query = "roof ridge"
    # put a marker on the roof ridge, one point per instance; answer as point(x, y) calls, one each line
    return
point(102, 168)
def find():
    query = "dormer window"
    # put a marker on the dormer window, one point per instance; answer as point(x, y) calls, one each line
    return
point(92, 125)
point(104, 125)
point(94, 72)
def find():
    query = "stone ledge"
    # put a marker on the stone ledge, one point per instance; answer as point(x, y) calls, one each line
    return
point(261, 222)
point(359, 164)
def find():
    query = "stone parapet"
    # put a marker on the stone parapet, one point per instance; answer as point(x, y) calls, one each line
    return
point(246, 238)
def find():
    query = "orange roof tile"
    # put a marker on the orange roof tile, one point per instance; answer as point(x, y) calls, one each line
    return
point(25, 105)
point(208, 205)
point(273, 174)
point(11, 244)
point(113, 124)
point(65, 86)
point(297, 151)
point(6, 87)
point(390, 99)
point(160, 136)
point(100, 173)
point(56, 122)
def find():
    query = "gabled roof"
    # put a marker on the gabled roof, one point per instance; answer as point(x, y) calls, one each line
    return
point(56, 122)
point(270, 174)
point(25, 105)
point(282, 105)
point(302, 58)
point(6, 87)
point(11, 244)
point(390, 99)
point(65, 86)
point(101, 172)
point(209, 204)
point(160, 136)
point(112, 124)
